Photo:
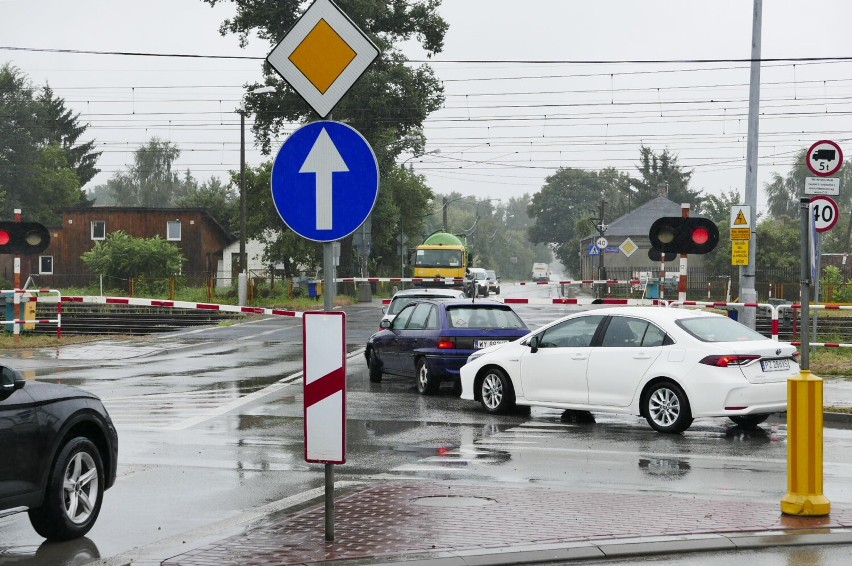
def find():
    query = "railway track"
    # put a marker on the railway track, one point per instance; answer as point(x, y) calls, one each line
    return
point(83, 319)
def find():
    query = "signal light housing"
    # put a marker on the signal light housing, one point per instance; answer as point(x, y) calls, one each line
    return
point(656, 255)
point(683, 235)
point(23, 238)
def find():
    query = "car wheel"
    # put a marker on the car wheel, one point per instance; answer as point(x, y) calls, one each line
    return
point(497, 291)
point(485, 291)
point(375, 368)
point(496, 393)
point(667, 408)
point(426, 382)
point(74, 491)
point(749, 421)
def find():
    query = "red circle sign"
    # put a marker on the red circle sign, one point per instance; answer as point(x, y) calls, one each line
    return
point(824, 158)
point(825, 213)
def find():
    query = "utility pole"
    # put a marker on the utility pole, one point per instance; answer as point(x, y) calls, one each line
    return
point(748, 293)
point(444, 209)
point(601, 228)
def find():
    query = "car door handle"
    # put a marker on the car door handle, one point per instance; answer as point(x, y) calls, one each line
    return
point(579, 356)
point(642, 356)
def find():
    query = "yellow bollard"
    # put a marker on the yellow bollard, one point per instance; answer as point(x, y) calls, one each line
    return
point(804, 447)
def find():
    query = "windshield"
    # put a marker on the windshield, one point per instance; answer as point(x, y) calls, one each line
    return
point(438, 258)
point(495, 316)
point(719, 329)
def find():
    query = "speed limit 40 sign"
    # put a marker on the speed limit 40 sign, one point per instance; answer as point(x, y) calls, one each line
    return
point(825, 213)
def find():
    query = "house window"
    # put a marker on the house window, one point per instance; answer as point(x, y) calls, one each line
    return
point(173, 231)
point(45, 265)
point(98, 229)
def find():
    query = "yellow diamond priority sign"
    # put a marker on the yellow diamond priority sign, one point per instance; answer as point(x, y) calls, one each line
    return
point(323, 55)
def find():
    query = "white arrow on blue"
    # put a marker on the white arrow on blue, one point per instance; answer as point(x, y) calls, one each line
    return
point(324, 160)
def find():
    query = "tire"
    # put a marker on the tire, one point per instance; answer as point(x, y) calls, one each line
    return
point(74, 493)
point(497, 291)
point(496, 392)
point(667, 409)
point(426, 382)
point(749, 421)
point(485, 291)
point(375, 368)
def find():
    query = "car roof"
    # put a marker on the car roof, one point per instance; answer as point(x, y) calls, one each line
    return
point(428, 292)
point(653, 312)
point(465, 302)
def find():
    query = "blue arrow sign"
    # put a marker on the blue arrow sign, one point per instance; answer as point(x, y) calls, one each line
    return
point(325, 181)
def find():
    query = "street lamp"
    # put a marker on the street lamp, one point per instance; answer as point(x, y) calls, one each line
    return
point(242, 111)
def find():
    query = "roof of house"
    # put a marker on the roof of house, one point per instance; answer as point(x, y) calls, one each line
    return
point(638, 221)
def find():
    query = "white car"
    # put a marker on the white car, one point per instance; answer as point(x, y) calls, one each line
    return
point(406, 296)
point(668, 365)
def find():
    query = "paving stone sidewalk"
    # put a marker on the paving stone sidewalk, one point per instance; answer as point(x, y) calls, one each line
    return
point(398, 522)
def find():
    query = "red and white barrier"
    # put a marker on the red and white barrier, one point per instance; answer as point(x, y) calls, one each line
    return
point(180, 305)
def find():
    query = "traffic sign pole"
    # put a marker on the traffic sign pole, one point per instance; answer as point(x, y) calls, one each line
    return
point(804, 410)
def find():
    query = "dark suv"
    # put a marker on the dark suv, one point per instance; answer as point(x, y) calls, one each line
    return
point(58, 453)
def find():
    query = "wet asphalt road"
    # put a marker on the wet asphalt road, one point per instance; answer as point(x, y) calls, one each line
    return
point(211, 429)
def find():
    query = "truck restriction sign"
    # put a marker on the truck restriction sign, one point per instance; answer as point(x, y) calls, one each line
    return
point(824, 158)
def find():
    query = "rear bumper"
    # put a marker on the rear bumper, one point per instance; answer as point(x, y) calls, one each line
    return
point(448, 367)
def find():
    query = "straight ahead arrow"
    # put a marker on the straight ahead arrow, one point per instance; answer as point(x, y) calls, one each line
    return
point(324, 160)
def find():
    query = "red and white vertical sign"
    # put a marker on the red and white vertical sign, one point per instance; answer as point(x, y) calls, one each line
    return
point(324, 344)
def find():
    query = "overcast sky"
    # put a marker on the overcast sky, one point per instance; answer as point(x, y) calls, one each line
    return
point(518, 105)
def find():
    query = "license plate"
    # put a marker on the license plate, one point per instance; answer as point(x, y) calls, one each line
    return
point(478, 344)
point(775, 365)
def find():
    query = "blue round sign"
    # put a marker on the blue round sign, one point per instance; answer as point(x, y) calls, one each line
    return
point(325, 181)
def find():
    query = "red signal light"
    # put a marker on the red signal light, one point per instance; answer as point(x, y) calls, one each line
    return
point(700, 235)
point(23, 238)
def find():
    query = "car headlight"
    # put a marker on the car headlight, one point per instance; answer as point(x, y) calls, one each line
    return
point(475, 355)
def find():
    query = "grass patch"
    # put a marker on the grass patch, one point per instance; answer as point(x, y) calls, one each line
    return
point(836, 362)
point(27, 341)
point(845, 410)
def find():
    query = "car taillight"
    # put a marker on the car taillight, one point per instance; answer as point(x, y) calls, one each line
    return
point(729, 360)
point(446, 343)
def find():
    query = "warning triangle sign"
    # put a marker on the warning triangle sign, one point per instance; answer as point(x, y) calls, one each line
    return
point(740, 219)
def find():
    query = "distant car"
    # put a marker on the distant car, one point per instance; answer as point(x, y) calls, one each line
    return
point(432, 339)
point(493, 281)
point(58, 453)
point(668, 365)
point(406, 296)
point(476, 282)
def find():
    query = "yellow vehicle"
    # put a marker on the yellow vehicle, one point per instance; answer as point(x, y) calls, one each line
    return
point(443, 256)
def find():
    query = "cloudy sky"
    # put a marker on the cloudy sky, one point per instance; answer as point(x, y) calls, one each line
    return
point(522, 96)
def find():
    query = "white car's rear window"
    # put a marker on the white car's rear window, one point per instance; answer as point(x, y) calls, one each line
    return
point(719, 329)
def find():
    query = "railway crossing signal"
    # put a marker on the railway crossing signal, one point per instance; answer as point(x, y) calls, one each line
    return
point(676, 234)
point(23, 238)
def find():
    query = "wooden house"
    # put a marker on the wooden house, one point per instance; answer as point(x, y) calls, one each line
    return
point(200, 237)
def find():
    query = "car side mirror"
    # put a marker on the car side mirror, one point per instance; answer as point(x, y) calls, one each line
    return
point(384, 310)
point(385, 324)
point(534, 342)
point(10, 381)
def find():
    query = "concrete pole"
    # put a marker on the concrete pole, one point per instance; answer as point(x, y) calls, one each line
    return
point(683, 271)
point(748, 292)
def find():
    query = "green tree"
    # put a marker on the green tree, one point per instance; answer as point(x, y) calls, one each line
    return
point(569, 200)
point(387, 105)
point(218, 198)
point(40, 150)
point(123, 256)
point(151, 180)
point(662, 170)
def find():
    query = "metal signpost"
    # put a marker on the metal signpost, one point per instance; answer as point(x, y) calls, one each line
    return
point(325, 178)
point(805, 392)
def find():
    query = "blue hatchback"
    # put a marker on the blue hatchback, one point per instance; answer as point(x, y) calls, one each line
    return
point(432, 339)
